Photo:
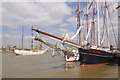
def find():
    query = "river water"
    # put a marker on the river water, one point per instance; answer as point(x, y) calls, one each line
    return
point(46, 66)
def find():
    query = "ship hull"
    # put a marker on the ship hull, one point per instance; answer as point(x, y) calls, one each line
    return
point(89, 57)
point(25, 52)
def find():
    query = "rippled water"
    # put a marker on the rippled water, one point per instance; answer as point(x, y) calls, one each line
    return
point(46, 66)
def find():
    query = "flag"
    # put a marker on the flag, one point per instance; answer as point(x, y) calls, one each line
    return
point(13, 46)
point(95, 12)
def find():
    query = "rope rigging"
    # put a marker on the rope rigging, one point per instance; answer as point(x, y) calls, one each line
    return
point(112, 27)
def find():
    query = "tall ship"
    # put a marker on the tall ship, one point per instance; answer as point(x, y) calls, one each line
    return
point(92, 54)
point(89, 52)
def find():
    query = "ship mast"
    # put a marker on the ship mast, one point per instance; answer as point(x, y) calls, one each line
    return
point(107, 22)
point(32, 39)
point(98, 23)
point(87, 20)
point(78, 20)
point(94, 24)
point(118, 47)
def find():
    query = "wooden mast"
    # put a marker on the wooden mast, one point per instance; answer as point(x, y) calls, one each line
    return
point(107, 23)
point(94, 24)
point(78, 20)
point(118, 25)
point(107, 26)
point(87, 19)
point(98, 23)
point(32, 39)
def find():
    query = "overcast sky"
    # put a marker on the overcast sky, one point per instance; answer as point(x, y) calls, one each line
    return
point(56, 18)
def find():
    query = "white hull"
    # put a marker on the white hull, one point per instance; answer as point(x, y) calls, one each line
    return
point(25, 52)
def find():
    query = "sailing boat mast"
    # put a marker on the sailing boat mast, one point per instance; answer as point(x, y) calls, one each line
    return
point(94, 24)
point(32, 39)
point(87, 20)
point(107, 32)
point(98, 23)
point(22, 35)
point(78, 20)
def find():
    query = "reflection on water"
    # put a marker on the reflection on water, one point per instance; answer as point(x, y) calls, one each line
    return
point(46, 66)
point(69, 66)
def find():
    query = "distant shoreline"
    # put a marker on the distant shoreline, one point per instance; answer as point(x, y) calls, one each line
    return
point(7, 52)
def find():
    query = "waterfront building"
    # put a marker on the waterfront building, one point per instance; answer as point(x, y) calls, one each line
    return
point(11, 48)
point(3, 48)
point(8, 48)
point(0, 48)
point(37, 48)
